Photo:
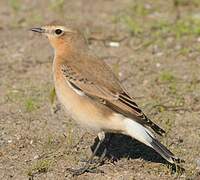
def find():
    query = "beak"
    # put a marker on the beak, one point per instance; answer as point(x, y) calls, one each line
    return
point(39, 30)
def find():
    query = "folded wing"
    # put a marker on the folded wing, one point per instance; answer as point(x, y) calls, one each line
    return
point(106, 89)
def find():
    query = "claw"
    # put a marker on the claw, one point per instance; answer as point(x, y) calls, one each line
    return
point(77, 172)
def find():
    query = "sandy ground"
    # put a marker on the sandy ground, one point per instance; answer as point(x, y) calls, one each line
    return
point(157, 60)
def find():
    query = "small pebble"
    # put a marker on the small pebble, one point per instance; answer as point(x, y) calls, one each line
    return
point(9, 141)
point(158, 65)
point(198, 162)
point(120, 74)
point(114, 44)
point(36, 157)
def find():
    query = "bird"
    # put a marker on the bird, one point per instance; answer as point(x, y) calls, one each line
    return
point(92, 94)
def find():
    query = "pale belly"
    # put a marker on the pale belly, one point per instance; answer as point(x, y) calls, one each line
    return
point(85, 112)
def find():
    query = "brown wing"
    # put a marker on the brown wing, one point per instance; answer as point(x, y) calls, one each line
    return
point(96, 80)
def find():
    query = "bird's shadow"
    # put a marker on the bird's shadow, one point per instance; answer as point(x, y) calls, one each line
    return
point(122, 146)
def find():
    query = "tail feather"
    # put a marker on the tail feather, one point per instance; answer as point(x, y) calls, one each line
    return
point(142, 134)
point(163, 151)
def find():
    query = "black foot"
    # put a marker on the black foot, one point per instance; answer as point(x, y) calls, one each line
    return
point(90, 169)
point(90, 166)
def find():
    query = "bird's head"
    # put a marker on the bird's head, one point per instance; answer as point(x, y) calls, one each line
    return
point(61, 37)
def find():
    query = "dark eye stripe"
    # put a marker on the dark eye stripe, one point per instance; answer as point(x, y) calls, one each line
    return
point(58, 31)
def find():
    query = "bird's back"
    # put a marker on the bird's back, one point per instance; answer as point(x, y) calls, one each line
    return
point(93, 69)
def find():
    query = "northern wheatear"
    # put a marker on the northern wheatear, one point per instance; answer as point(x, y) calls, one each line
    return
point(92, 94)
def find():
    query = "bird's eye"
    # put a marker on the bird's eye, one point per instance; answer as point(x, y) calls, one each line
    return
point(58, 31)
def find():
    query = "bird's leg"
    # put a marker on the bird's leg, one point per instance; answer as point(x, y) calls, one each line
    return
point(100, 160)
point(87, 167)
point(101, 136)
point(107, 143)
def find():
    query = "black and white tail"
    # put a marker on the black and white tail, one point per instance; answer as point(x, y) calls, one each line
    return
point(142, 134)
